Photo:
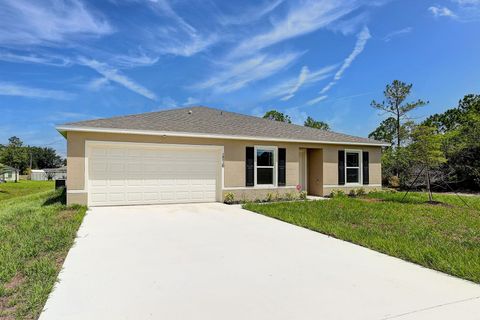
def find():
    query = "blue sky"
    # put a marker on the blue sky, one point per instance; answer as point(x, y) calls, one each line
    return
point(63, 61)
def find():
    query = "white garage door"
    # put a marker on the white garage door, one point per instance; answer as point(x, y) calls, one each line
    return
point(128, 174)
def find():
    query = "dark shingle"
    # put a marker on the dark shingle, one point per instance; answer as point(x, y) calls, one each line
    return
point(204, 120)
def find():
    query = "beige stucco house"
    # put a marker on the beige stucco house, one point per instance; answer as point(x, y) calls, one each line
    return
point(199, 154)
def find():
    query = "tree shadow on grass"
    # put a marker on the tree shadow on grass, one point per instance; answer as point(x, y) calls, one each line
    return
point(59, 198)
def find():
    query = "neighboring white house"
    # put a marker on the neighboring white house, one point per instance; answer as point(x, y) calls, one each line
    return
point(38, 175)
point(8, 173)
point(49, 174)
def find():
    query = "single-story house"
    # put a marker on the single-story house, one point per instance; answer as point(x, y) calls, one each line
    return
point(38, 175)
point(199, 154)
point(49, 174)
point(8, 173)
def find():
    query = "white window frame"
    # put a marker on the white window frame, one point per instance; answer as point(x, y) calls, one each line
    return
point(274, 167)
point(360, 166)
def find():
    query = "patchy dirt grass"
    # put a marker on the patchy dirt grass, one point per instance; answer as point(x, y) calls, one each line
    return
point(36, 232)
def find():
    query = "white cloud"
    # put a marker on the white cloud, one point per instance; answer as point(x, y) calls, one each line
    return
point(132, 61)
point(52, 60)
point(191, 101)
point(316, 100)
point(113, 75)
point(301, 19)
point(297, 116)
point(397, 33)
point(24, 22)
point(442, 12)
point(467, 2)
point(176, 42)
point(467, 10)
point(362, 39)
point(181, 39)
point(288, 88)
point(97, 84)
point(251, 14)
point(163, 7)
point(350, 25)
point(302, 77)
point(11, 89)
point(238, 74)
point(168, 102)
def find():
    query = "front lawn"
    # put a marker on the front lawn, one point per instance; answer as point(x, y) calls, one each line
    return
point(36, 232)
point(23, 187)
point(445, 237)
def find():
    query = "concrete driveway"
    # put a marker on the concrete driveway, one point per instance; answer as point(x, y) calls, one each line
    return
point(212, 261)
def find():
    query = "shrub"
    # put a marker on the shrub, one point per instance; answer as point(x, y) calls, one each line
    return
point(337, 193)
point(229, 198)
point(361, 192)
point(303, 195)
point(291, 196)
point(269, 197)
point(352, 193)
point(394, 182)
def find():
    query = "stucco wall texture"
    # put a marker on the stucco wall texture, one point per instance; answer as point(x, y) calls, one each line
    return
point(322, 163)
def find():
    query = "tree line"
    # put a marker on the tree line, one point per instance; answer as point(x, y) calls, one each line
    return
point(441, 152)
point(21, 157)
point(309, 122)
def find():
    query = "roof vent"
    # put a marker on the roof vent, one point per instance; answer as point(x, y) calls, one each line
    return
point(190, 111)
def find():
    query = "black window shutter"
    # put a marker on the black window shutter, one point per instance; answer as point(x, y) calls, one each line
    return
point(282, 164)
point(249, 167)
point(341, 167)
point(365, 172)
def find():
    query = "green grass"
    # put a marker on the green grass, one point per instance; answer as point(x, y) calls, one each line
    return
point(36, 232)
point(444, 237)
point(23, 187)
point(472, 202)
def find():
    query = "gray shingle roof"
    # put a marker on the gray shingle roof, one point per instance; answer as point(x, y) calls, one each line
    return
point(204, 120)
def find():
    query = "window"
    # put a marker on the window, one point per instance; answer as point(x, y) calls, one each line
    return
point(265, 165)
point(352, 166)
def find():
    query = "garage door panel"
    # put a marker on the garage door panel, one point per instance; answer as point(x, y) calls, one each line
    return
point(115, 181)
point(167, 196)
point(181, 195)
point(115, 152)
point(197, 195)
point(134, 196)
point(98, 183)
point(134, 182)
point(209, 194)
point(150, 182)
point(148, 196)
point(98, 152)
point(116, 196)
point(151, 174)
